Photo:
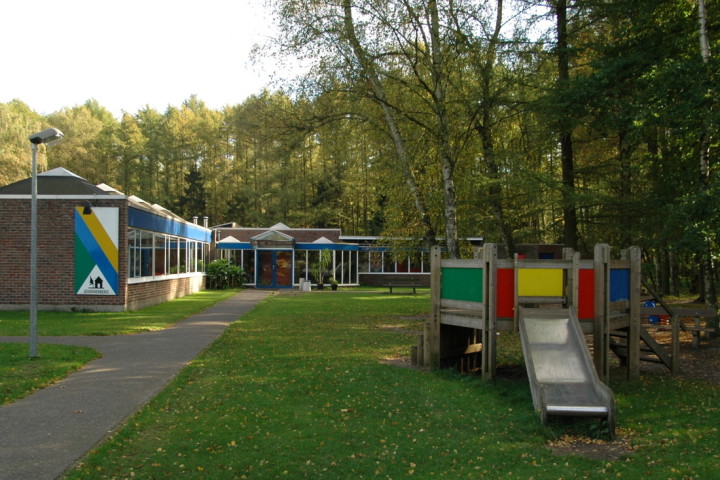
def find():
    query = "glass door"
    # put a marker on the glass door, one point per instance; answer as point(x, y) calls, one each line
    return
point(274, 269)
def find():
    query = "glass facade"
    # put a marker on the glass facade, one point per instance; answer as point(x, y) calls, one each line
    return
point(152, 254)
point(347, 265)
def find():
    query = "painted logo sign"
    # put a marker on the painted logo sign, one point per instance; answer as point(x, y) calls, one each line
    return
point(96, 250)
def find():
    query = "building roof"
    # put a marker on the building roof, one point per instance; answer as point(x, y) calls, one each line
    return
point(57, 181)
point(300, 235)
point(63, 183)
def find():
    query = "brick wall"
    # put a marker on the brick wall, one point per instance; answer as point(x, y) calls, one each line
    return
point(56, 261)
point(56, 256)
point(146, 293)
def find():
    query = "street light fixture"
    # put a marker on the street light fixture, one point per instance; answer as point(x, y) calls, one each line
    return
point(50, 136)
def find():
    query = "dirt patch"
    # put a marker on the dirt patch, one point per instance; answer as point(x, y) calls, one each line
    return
point(591, 448)
point(402, 362)
point(700, 363)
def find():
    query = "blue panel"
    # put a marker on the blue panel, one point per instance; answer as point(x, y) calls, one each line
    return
point(234, 246)
point(327, 246)
point(155, 223)
point(619, 284)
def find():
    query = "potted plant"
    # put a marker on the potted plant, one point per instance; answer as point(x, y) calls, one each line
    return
point(333, 283)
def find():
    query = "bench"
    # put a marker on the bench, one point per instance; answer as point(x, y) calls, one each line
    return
point(414, 284)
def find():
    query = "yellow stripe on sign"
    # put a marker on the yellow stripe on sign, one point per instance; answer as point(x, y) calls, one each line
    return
point(101, 236)
point(540, 282)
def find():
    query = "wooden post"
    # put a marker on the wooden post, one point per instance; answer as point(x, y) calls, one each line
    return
point(675, 325)
point(695, 335)
point(489, 335)
point(633, 340)
point(516, 318)
point(601, 335)
point(432, 342)
point(573, 278)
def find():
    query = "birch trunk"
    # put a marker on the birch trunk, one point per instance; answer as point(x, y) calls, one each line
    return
point(381, 99)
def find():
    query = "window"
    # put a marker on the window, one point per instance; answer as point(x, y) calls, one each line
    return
point(182, 256)
point(146, 253)
point(301, 266)
point(172, 254)
point(133, 253)
point(388, 262)
point(156, 254)
point(160, 260)
point(376, 262)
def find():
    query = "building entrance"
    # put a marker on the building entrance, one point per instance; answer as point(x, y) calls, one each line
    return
point(274, 269)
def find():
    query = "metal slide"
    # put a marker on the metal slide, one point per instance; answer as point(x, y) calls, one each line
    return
point(563, 380)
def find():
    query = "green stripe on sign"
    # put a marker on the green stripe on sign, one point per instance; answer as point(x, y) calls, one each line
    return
point(83, 264)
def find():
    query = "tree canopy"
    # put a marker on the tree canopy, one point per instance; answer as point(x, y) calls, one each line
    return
point(554, 121)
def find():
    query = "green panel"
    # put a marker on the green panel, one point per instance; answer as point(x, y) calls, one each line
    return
point(462, 284)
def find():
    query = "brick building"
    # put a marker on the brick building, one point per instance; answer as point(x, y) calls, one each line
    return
point(98, 249)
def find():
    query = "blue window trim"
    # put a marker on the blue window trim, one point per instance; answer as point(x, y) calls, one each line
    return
point(307, 246)
point(155, 223)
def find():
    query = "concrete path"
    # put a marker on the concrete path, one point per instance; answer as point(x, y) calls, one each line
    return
point(43, 435)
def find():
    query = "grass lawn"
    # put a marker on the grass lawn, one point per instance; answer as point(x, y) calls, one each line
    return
point(156, 317)
point(20, 375)
point(296, 389)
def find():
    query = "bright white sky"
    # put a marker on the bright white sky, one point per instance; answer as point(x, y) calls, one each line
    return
point(131, 53)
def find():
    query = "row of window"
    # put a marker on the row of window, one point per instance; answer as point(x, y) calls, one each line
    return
point(345, 266)
point(152, 254)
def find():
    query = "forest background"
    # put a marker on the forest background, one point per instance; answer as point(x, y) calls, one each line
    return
point(546, 121)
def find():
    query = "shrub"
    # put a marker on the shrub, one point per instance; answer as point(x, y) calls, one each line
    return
point(222, 274)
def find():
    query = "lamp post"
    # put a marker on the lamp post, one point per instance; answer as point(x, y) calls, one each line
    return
point(50, 136)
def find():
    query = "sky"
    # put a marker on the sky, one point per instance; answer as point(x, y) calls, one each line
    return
point(130, 54)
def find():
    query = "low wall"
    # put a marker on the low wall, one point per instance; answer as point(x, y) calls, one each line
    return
point(152, 292)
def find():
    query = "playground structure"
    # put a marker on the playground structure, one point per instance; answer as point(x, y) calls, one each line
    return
point(554, 304)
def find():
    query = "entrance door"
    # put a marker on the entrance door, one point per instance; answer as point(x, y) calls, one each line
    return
point(274, 269)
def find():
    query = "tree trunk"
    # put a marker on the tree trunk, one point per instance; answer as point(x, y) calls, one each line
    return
point(674, 274)
point(708, 270)
point(484, 127)
point(624, 160)
point(447, 158)
point(380, 97)
point(566, 143)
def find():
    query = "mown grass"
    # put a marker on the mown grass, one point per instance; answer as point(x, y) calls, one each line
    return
point(20, 375)
point(156, 317)
point(295, 389)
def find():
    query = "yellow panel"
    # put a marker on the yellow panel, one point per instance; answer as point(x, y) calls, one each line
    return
point(540, 282)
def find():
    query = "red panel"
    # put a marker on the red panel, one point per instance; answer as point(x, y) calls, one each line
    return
point(586, 294)
point(505, 292)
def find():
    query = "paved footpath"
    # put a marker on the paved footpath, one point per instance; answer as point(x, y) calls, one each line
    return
point(43, 435)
